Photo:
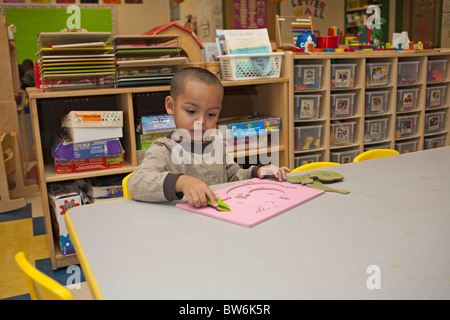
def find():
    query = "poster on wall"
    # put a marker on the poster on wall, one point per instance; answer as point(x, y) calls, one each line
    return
point(65, 1)
point(250, 14)
point(41, 1)
point(112, 1)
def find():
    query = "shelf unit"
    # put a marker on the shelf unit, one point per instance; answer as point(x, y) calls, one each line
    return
point(325, 149)
point(262, 97)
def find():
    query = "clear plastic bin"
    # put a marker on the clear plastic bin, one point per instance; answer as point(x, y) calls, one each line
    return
point(307, 77)
point(342, 105)
point(407, 72)
point(436, 70)
point(306, 107)
point(342, 133)
point(302, 160)
point(434, 121)
point(406, 126)
point(378, 146)
point(434, 142)
point(377, 74)
point(343, 75)
point(307, 137)
point(435, 97)
point(343, 157)
point(375, 130)
point(407, 146)
point(376, 102)
point(407, 99)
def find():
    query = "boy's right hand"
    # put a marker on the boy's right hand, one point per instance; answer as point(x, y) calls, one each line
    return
point(195, 190)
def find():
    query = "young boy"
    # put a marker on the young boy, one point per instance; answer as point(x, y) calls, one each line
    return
point(180, 164)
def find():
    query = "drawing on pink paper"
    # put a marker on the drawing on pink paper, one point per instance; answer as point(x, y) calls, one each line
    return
point(256, 200)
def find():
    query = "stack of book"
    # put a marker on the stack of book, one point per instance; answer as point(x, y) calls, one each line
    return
point(144, 60)
point(150, 129)
point(89, 140)
point(69, 60)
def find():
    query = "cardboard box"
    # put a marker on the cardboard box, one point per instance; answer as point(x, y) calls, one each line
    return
point(90, 119)
point(144, 141)
point(79, 165)
point(162, 123)
point(65, 148)
point(60, 202)
point(104, 187)
point(249, 126)
point(89, 134)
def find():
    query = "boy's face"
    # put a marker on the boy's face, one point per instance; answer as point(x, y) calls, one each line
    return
point(197, 108)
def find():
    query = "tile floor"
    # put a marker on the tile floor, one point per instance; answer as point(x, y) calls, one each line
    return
point(23, 230)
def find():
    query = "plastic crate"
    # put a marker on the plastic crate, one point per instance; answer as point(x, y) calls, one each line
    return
point(342, 133)
point(375, 130)
point(377, 146)
point(436, 70)
point(343, 75)
point(307, 77)
point(434, 142)
point(377, 74)
point(342, 105)
point(307, 137)
point(407, 146)
point(435, 97)
point(254, 66)
point(306, 107)
point(343, 157)
point(405, 126)
point(376, 102)
point(434, 121)
point(302, 160)
point(407, 72)
point(407, 99)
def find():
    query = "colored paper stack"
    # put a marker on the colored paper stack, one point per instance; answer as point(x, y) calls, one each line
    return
point(144, 60)
point(89, 140)
point(73, 60)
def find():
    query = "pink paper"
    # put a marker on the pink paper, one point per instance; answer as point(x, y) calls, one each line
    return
point(256, 200)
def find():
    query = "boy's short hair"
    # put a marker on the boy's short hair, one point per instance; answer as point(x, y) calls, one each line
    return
point(179, 80)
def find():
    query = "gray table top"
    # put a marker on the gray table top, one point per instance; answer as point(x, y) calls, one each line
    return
point(388, 239)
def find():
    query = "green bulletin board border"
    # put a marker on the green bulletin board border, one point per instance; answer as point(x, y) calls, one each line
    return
point(31, 19)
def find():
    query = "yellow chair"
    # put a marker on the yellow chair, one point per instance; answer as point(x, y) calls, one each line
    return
point(41, 286)
point(375, 154)
point(126, 193)
point(315, 165)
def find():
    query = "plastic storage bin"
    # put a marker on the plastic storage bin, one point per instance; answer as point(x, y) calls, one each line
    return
point(435, 97)
point(248, 67)
point(307, 137)
point(377, 74)
point(407, 99)
point(306, 107)
point(342, 133)
point(378, 146)
point(307, 77)
point(343, 157)
point(405, 126)
point(376, 102)
point(407, 72)
point(300, 161)
point(432, 143)
point(375, 130)
point(406, 147)
point(434, 121)
point(436, 70)
point(343, 75)
point(342, 105)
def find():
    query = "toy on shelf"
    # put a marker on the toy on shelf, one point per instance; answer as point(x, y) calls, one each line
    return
point(307, 137)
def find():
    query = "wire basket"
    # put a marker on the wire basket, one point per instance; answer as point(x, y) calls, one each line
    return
point(251, 66)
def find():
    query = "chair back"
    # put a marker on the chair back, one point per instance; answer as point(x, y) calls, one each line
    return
point(41, 286)
point(375, 154)
point(315, 165)
point(126, 193)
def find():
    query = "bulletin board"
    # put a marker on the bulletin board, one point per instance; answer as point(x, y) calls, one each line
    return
point(30, 20)
point(234, 18)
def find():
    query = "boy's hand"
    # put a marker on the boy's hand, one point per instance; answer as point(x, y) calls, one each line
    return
point(271, 170)
point(196, 191)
